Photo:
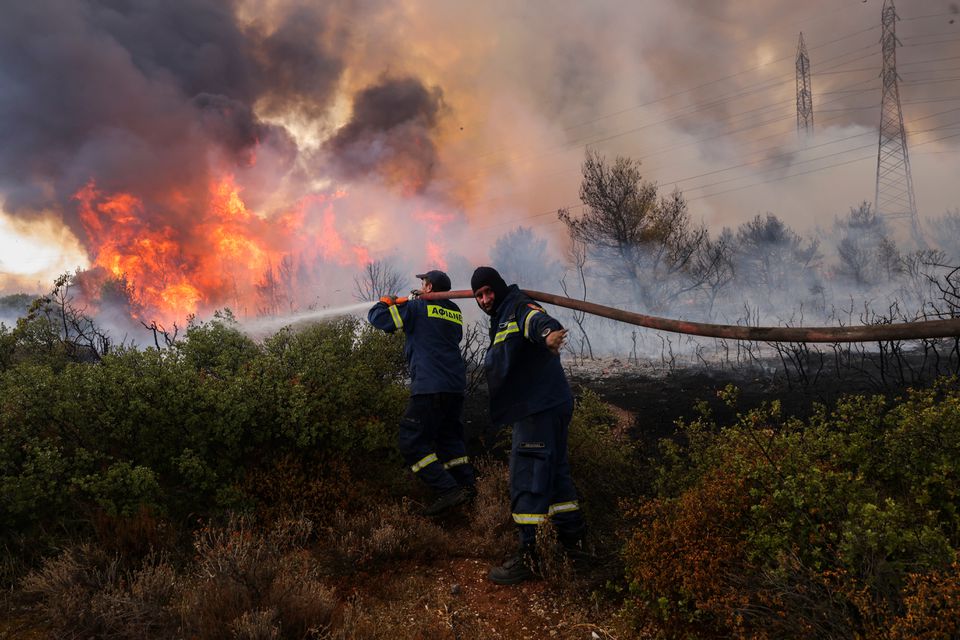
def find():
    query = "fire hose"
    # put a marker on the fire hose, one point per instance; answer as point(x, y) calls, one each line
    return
point(863, 333)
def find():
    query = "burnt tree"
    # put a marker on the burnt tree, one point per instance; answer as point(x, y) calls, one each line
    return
point(640, 240)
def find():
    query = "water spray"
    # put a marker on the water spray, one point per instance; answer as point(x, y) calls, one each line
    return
point(259, 326)
point(863, 333)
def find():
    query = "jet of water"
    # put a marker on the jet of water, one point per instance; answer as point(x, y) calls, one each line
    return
point(264, 326)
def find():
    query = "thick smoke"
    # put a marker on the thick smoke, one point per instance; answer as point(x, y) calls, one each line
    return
point(390, 133)
point(234, 127)
point(300, 64)
point(134, 94)
point(479, 111)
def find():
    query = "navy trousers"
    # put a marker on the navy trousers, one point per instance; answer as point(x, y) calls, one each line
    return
point(431, 441)
point(540, 482)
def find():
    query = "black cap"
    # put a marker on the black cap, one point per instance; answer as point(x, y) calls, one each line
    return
point(439, 280)
point(489, 277)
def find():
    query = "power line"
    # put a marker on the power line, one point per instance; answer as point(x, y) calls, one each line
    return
point(705, 84)
point(933, 115)
point(818, 158)
point(932, 15)
point(689, 110)
point(760, 86)
point(701, 140)
point(710, 82)
point(953, 34)
point(728, 133)
point(762, 182)
point(734, 189)
point(803, 173)
point(905, 64)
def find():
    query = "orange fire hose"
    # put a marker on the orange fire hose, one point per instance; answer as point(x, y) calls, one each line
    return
point(864, 333)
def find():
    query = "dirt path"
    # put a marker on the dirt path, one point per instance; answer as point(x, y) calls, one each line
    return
point(454, 600)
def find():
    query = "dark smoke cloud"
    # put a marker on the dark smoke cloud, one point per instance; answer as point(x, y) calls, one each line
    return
point(301, 69)
point(196, 44)
point(234, 126)
point(390, 132)
point(135, 93)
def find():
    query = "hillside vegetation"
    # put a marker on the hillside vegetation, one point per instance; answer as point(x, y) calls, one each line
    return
point(225, 488)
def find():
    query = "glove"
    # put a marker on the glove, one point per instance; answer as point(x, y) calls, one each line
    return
point(415, 293)
point(392, 300)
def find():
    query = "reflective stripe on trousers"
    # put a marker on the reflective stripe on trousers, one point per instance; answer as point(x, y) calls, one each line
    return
point(540, 482)
point(431, 439)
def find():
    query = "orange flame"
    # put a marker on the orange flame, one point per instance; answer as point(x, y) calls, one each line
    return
point(181, 259)
point(435, 250)
point(220, 258)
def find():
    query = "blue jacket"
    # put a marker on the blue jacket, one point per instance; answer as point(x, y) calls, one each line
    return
point(433, 331)
point(524, 377)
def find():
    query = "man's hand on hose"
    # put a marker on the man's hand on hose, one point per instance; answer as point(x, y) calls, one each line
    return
point(392, 300)
point(555, 339)
point(415, 293)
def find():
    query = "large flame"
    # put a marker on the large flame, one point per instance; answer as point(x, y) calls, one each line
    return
point(434, 223)
point(227, 256)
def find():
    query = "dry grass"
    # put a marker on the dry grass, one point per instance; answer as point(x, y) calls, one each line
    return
point(85, 592)
point(256, 625)
point(249, 581)
point(384, 533)
point(251, 585)
point(491, 531)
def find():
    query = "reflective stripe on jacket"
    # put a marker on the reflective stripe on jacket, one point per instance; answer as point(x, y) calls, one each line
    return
point(433, 332)
point(524, 377)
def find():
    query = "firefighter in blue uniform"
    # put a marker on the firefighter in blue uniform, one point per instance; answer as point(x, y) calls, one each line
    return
point(431, 431)
point(529, 390)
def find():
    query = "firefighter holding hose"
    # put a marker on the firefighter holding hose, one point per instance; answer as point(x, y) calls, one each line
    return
point(529, 390)
point(431, 431)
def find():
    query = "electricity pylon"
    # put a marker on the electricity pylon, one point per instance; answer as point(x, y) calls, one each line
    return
point(804, 91)
point(894, 194)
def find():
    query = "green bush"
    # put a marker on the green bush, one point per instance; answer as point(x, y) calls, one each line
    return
point(178, 431)
point(604, 462)
point(833, 515)
point(35, 338)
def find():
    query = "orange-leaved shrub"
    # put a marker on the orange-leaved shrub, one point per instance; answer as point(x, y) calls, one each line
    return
point(931, 606)
point(780, 527)
point(684, 553)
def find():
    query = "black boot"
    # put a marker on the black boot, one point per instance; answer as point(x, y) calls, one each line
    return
point(447, 501)
point(519, 568)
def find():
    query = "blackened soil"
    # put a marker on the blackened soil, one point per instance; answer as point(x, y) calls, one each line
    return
point(658, 397)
